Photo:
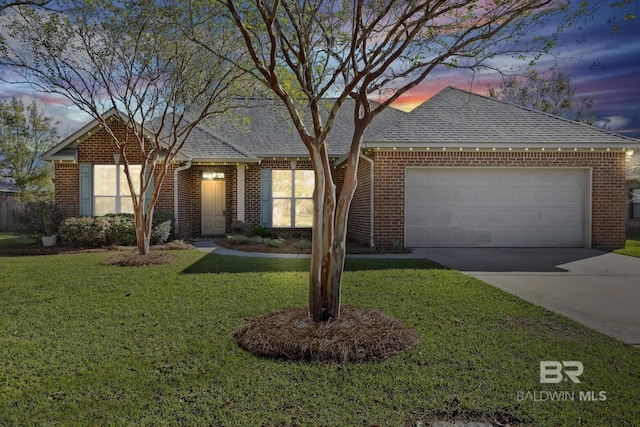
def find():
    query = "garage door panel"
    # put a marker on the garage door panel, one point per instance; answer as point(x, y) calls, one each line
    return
point(492, 207)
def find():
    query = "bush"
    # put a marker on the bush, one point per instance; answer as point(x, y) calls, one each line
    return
point(83, 231)
point(274, 243)
point(260, 231)
point(162, 228)
point(112, 229)
point(239, 239)
point(36, 219)
point(303, 244)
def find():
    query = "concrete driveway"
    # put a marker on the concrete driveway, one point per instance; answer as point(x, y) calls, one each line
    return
point(599, 289)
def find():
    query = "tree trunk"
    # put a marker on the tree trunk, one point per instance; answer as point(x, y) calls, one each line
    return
point(143, 228)
point(330, 232)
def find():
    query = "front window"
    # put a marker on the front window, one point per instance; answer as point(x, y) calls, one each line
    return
point(634, 203)
point(292, 192)
point(110, 188)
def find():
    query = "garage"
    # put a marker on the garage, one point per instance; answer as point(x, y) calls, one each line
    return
point(497, 207)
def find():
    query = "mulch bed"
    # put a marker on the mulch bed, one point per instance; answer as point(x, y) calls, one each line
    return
point(359, 335)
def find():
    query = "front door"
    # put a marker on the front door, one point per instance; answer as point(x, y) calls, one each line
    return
point(213, 209)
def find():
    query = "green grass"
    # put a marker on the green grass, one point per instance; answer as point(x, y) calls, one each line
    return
point(632, 247)
point(86, 344)
point(8, 239)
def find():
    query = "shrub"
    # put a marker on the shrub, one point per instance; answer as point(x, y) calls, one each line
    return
point(120, 229)
point(83, 231)
point(239, 239)
point(274, 243)
point(112, 229)
point(162, 228)
point(260, 231)
point(40, 218)
point(303, 244)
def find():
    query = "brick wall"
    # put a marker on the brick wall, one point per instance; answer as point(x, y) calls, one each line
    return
point(98, 149)
point(67, 188)
point(359, 226)
point(608, 187)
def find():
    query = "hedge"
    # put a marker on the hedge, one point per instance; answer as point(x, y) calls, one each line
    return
point(112, 229)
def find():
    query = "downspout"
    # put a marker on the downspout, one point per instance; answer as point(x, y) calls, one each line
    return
point(371, 201)
point(175, 192)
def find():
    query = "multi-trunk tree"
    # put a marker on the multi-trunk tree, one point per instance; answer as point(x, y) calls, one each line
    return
point(306, 51)
point(130, 56)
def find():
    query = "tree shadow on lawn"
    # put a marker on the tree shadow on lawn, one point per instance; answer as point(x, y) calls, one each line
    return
point(212, 263)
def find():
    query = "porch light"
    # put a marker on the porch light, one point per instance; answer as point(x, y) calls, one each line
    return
point(628, 154)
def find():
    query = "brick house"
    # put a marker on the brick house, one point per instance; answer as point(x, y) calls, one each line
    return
point(461, 170)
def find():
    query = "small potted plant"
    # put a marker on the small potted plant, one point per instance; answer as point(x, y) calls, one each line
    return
point(49, 225)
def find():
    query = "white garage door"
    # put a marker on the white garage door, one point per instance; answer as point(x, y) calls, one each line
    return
point(508, 207)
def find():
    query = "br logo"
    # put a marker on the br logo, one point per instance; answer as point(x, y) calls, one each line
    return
point(553, 372)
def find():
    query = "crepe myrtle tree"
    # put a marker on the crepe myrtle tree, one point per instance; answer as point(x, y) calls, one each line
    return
point(306, 51)
point(128, 56)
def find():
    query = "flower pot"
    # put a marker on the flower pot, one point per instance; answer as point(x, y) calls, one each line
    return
point(49, 240)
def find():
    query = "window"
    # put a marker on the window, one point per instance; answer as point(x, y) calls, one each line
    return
point(110, 188)
point(291, 192)
point(634, 203)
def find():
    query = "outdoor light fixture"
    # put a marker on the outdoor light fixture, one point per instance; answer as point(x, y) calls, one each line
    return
point(116, 158)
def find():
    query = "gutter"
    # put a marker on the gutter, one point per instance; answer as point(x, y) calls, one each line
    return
point(175, 193)
point(371, 201)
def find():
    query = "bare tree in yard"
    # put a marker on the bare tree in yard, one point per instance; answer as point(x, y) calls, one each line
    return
point(130, 56)
point(553, 95)
point(305, 51)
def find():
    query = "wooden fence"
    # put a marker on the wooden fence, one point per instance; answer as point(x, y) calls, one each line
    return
point(8, 207)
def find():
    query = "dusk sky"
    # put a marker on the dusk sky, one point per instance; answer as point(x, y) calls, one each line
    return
point(600, 64)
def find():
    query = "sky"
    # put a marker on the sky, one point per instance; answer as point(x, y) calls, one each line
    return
point(601, 64)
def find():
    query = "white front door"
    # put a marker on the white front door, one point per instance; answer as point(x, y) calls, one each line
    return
point(213, 207)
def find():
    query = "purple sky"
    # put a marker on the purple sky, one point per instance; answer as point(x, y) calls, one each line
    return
point(600, 64)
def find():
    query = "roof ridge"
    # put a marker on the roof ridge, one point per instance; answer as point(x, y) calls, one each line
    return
point(553, 116)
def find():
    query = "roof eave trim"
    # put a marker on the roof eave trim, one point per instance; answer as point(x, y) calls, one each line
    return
point(197, 160)
point(485, 145)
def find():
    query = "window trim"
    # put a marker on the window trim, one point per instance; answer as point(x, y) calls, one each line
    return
point(292, 199)
point(634, 202)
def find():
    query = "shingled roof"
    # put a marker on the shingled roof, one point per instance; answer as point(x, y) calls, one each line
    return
point(7, 186)
point(456, 117)
point(268, 131)
point(452, 118)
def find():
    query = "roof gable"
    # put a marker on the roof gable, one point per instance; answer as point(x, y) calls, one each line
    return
point(458, 117)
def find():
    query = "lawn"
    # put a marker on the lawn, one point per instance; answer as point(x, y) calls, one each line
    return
point(86, 344)
point(632, 247)
point(8, 239)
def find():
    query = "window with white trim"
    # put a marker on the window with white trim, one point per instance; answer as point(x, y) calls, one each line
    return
point(634, 203)
point(110, 188)
point(292, 203)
